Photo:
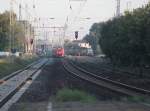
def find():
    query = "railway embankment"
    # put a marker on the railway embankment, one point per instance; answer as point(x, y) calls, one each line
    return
point(104, 68)
point(8, 66)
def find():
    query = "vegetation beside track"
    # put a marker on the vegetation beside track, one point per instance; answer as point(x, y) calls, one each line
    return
point(116, 74)
point(7, 67)
point(125, 39)
point(74, 95)
point(136, 99)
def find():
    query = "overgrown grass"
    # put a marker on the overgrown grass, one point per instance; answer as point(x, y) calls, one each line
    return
point(7, 67)
point(69, 95)
point(136, 99)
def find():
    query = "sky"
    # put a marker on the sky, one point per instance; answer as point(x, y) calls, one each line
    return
point(71, 12)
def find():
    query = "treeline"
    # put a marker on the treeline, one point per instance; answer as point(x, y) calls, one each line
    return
point(126, 39)
point(16, 40)
point(93, 37)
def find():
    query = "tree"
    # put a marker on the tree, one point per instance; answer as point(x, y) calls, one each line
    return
point(93, 37)
point(126, 40)
point(4, 31)
point(17, 33)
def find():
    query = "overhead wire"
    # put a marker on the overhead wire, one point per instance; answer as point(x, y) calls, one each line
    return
point(67, 19)
point(26, 9)
point(79, 10)
point(82, 5)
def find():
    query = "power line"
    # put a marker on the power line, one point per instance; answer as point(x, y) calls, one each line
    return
point(118, 8)
point(23, 8)
point(82, 5)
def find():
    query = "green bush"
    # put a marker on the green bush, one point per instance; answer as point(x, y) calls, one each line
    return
point(136, 99)
point(66, 95)
point(125, 39)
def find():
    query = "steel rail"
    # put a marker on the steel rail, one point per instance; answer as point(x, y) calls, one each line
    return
point(118, 71)
point(4, 79)
point(15, 89)
point(135, 91)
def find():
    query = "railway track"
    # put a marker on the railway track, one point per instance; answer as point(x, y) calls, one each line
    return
point(111, 69)
point(4, 79)
point(105, 70)
point(12, 83)
point(104, 82)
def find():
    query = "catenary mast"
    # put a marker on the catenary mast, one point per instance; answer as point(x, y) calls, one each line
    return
point(118, 8)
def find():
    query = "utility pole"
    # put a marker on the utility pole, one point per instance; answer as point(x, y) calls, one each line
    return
point(20, 12)
point(26, 29)
point(10, 24)
point(11, 27)
point(64, 29)
point(129, 3)
point(34, 37)
point(118, 9)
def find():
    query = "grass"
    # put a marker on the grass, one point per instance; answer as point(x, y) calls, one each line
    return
point(69, 95)
point(7, 67)
point(136, 99)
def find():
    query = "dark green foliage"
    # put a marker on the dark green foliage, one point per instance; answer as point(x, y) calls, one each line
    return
point(126, 40)
point(4, 30)
point(93, 37)
point(16, 32)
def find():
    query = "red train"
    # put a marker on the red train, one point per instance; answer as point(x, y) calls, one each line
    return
point(58, 52)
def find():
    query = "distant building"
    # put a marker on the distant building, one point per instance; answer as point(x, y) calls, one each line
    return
point(81, 43)
point(77, 47)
